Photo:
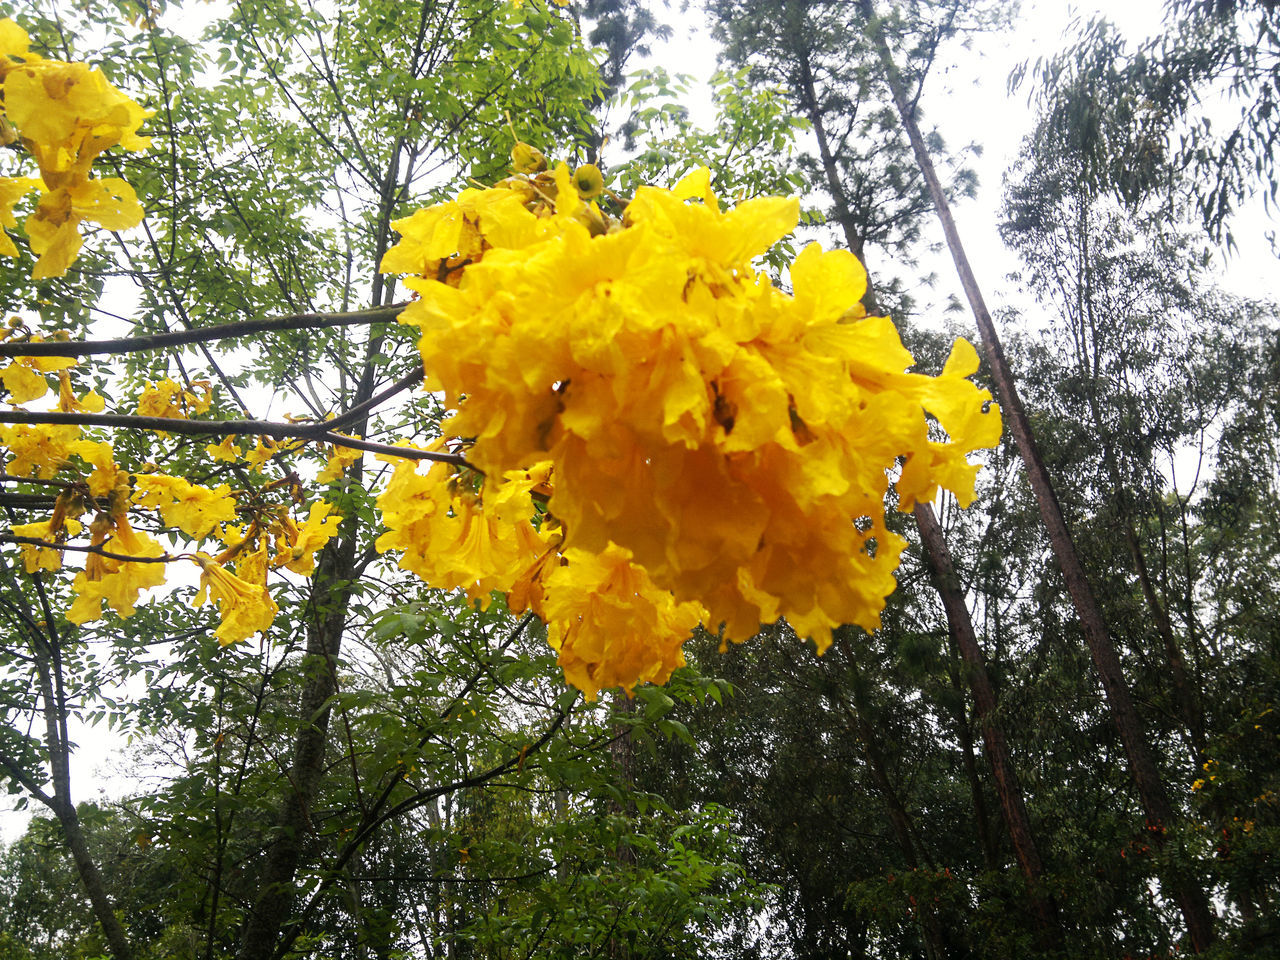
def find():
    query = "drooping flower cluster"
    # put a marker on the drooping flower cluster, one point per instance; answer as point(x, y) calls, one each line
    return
point(732, 442)
point(65, 115)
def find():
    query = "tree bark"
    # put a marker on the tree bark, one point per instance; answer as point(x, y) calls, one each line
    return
point(853, 239)
point(1191, 898)
point(957, 612)
point(276, 891)
point(1008, 787)
point(623, 758)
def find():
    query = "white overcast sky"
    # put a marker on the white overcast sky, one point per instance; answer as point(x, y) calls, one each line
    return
point(967, 102)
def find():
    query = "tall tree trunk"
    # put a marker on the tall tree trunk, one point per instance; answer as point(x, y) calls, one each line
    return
point(623, 757)
point(960, 625)
point(1008, 787)
point(1191, 898)
point(276, 892)
point(1088, 357)
point(330, 598)
point(1184, 692)
point(853, 239)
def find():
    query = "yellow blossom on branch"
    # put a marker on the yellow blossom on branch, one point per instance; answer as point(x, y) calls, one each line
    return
point(735, 440)
point(225, 451)
point(88, 402)
point(44, 558)
point(454, 537)
point(22, 376)
point(37, 450)
point(319, 528)
point(169, 399)
point(610, 625)
point(111, 580)
point(340, 458)
point(66, 115)
point(193, 509)
point(245, 608)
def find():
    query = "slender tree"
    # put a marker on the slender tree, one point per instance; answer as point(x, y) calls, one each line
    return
point(1151, 787)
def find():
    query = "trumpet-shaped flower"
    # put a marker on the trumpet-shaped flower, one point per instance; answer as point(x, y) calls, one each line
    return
point(610, 625)
point(44, 558)
point(319, 528)
point(246, 608)
point(66, 114)
point(37, 450)
point(454, 537)
point(111, 580)
point(340, 458)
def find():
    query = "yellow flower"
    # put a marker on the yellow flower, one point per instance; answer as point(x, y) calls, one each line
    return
point(106, 475)
point(246, 608)
point(339, 459)
point(265, 449)
point(115, 582)
point(320, 527)
point(588, 180)
point(735, 443)
point(453, 537)
point(527, 159)
point(167, 398)
point(12, 189)
point(44, 558)
point(14, 47)
point(611, 626)
point(89, 402)
point(54, 228)
point(193, 509)
point(225, 451)
point(37, 450)
point(22, 383)
point(66, 115)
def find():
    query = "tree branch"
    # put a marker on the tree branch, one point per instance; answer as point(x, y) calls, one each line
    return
point(311, 432)
point(222, 331)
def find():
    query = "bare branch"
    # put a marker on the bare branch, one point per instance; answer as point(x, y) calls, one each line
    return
point(222, 331)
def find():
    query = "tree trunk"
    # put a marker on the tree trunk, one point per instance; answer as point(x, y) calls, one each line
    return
point(1008, 787)
point(47, 657)
point(844, 216)
point(1190, 896)
point(623, 757)
point(940, 558)
point(331, 594)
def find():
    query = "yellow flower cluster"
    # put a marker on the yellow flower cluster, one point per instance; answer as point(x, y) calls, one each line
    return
point(127, 561)
point(170, 400)
point(611, 626)
point(451, 537)
point(66, 115)
point(732, 442)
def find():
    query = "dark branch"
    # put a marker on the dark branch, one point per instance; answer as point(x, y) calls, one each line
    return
point(50, 545)
point(320, 431)
point(222, 331)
